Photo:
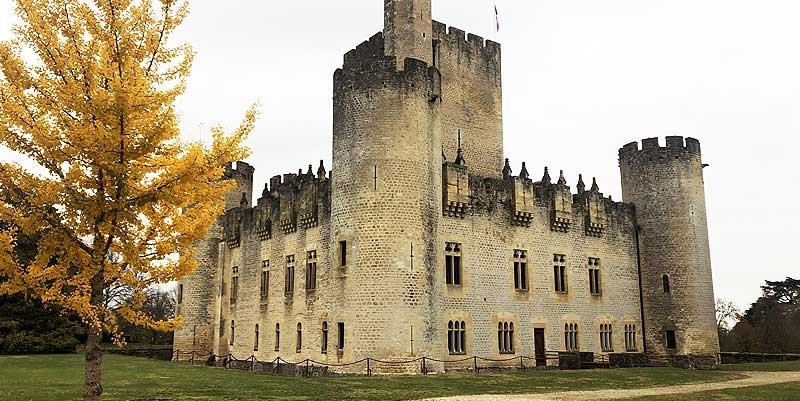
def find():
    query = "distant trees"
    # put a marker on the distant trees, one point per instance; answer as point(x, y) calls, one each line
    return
point(29, 326)
point(770, 325)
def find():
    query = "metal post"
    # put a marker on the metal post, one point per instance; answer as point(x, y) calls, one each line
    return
point(475, 363)
point(369, 371)
point(253, 364)
point(191, 362)
point(307, 373)
point(521, 364)
point(278, 365)
point(424, 368)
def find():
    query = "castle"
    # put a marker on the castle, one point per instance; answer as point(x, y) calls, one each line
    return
point(421, 241)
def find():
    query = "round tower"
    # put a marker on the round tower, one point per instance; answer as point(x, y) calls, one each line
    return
point(666, 186)
point(385, 199)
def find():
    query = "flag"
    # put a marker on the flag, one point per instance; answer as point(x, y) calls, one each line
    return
point(497, 17)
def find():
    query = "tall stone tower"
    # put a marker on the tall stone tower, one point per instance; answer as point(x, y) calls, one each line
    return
point(202, 289)
point(666, 186)
point(385, 193)
point(408, 30)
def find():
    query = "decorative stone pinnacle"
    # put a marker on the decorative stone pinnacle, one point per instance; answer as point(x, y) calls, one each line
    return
point(524, 172)
point(507, 170)
point(310, 172)
point(561, 179)
point(460, 155)
point(265, 192)
point(546, 177)
point(595, 187)
point(581, 184)
point(321, 170)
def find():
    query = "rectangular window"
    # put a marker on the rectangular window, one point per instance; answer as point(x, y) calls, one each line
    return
point(342, 253)
point(630, 338)
point(340, 329)
point(324, 337)
point(311, 270)
point(289, 281)
point(233, 331)
point(235, 284)
point(180, 293)
point(594, 276)
point(672, 343)
point(452, 263)
point(299, 337)
point(255, 344)
point(560, 273)
point(264, 279)
point(277, 336)
point(520, 270)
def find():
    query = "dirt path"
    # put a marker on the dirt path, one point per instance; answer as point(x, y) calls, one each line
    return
point(752, 379)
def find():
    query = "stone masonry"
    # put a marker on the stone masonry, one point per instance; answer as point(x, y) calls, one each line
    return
point(420, 227)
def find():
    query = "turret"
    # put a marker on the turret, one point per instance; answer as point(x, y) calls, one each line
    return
point(407, 29)
point(665, 184)
point(387, 159)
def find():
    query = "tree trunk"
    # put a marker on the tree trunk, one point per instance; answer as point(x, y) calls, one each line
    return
point(92, 388)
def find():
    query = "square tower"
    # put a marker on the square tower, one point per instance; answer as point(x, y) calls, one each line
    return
point(407, 30)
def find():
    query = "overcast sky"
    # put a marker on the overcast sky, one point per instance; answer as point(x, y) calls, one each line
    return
point(581, 78)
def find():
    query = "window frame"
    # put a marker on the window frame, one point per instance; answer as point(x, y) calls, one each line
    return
point(595, 278)
point(561, 283)
point(453, 264)
point(521, 270)
point(289, 275)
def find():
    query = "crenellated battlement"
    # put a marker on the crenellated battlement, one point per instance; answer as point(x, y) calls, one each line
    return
point(468, 42)
point(675, 145)
point(288, 202)
point(522, 199)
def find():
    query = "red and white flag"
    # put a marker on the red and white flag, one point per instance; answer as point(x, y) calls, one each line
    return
point(496, 17)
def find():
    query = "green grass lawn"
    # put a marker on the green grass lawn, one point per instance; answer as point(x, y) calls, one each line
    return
point(60, 377)
point(791, 366)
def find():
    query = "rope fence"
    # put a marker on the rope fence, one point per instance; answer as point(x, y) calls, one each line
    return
point(367, 366)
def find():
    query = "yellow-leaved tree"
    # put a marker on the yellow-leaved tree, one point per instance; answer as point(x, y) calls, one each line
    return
point(87, 93)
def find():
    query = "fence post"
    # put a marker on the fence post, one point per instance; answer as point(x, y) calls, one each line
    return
point(253, 364)
point(191, 361)
point(369, 371)
point(475, 363)
point(424, 367)
point(307, 373)
point(521, 363)
point(278, 365)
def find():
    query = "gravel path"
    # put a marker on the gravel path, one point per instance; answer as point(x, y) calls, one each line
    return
point(752, 379)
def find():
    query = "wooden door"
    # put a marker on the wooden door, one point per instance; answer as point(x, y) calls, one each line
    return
point(538, 342)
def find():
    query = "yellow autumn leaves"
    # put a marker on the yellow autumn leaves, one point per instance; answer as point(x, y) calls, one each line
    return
point(123, 198)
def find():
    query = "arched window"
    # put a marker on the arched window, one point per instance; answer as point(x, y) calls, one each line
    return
point(630, 338)
point(571, 337)
point(665, 282)
point(277, 336)
point(255, 344)
point(299, 337)
point(505, 337)
point(324, 337)
point(233, 331)
point(463, 338)
point(456, 337)
point(606, 340)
